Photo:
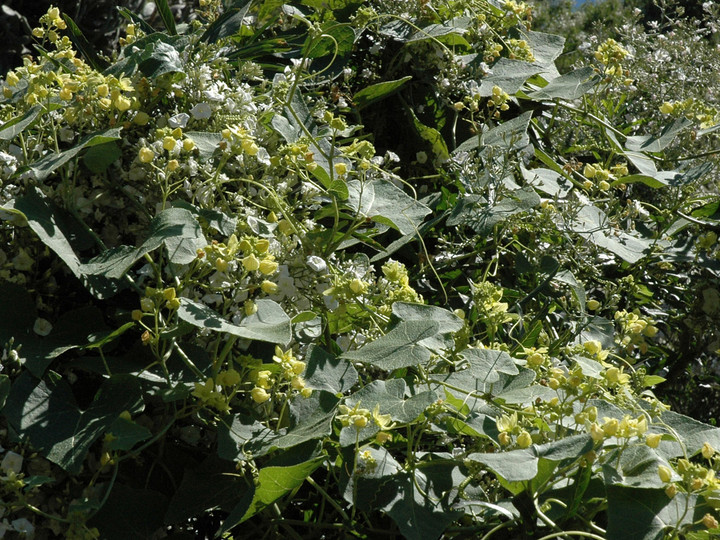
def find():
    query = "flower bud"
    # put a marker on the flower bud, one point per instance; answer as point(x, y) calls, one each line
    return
point(653, 439)
point(665, 473)
point(524, 439)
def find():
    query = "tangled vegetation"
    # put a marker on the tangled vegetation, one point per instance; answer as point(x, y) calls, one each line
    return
point(360, 269)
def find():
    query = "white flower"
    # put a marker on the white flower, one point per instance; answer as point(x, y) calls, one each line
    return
point(316, 263)
point(42, 327)
point(201, 111)
point(12, 462)
point(24, 527)
point(179, 120)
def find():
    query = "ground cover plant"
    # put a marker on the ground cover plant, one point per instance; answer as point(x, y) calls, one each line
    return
point(354, 269)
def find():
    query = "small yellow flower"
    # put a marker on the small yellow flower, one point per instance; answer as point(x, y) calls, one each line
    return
point(12, 79)
point(251, 263)
point(173, 164)
point(358, 286)
point(653, 439)
point(122, 103)
point(269, 287)
point(188, 145)
point(136, 314)
point(611, 426)
point(596, 432)
point(665, 473)
point(250, 307)
point(146, 155)
point(524, 439)
point(65, 94)
point(340, 168)
point(710, 522)
point(259, 395)
point(593, 305)
point(169, 143)
point(667, 108)
point(141, 118)
point(268, 266)
point(708, 451)
point(228, 378)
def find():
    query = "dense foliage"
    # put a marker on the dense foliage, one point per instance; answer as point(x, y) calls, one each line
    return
point(360, 268)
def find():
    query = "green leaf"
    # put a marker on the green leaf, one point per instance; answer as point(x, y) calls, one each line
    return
point(160, 58)
point(167, 16)
point(177, 228)
point(548, 181)
point(510, 134)
point(47, 165)
point(226, 25)
point(637, 467)
point(644, 514)
point(692, 433)
point(569, 86)
point(17, 318)
point(545, 47)
point(649, 143)
point(375, 92)
point(448, 322)
point(522, 465)
point(216, 219)
point(13, 127)
point(487, 364)
point(126, 434)
point(336, 39)
point(455, 27)
point(431, 135)
point(327, 372)
point(99, 158)
point(282, 474)
point(384, 202)
point(390, 398)
point(46, 413)
point(398, 348)
point(84, 46)
point(509, 75)
point(592, 223)
point(512, 466)
point(270, 323)
point(206, 142)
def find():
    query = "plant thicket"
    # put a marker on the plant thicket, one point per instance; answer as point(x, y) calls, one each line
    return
point(359, 269)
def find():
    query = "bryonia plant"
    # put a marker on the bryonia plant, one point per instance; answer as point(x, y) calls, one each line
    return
point(365, 268)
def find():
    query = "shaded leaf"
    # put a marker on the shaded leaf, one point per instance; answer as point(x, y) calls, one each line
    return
point(327, 372)
point(644, 514)
point(46, 413)
point(215, 483)
point(47, 165)
point(177, 228)
point(147, 508)
point(13, 127)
